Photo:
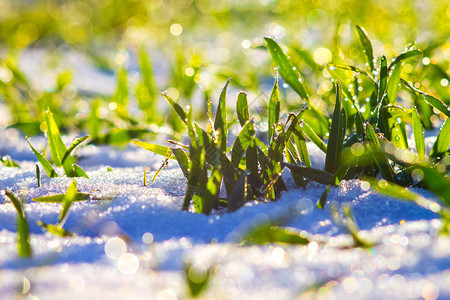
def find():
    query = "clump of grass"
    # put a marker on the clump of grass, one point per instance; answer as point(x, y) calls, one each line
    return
point(61, 156)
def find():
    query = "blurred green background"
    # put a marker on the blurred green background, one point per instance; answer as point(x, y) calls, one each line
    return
point(193, 47)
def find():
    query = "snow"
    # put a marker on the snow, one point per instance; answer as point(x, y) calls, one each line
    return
point(134, 241)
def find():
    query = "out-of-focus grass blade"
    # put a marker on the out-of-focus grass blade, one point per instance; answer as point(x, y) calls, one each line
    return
point(286, 69)
point(436, 103)
point(274, 108)
point(44, 162)
point(148, 82)
point(437, 183)
point(23, 240)
point(383, 78)
point(72, 147)
point(442, 143)
point(237, 198)
point(399, 192)
point(158, 149)
point(56, 230)
point(367, 47)
point(266, 234)
point(348, 225)
point(197, 279)
point(220, 121)
point(418, 134)
point(244, 140)
point(59, 198)
point(178, 109)
point(242, 108)
point(9, 162)
point(121, 94)
point(57, 147)
point(313, 137)
point(404, 56)
point(183, 160)
point(333, 157)
point(398, 135)
point(393, 83)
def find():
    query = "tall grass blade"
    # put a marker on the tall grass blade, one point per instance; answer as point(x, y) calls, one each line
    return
point(380, 158)
point(383, 78)
point(57, 147)
point(333, 156)
point(404, 56)
point(394, 83)
point(274, 109)
point(220, 121)
point(418, 134)
point(237, 197)
point(367, 47)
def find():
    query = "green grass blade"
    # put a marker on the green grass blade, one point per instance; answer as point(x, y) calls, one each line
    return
point(286, 69)
point(178, 109)
point(59, 198)
point(333, 156)
point(69, 197)
point(399, 192)
point(418, 134)
point(274, 109)
point(237, 197)
point(72, 147)
point(383, 78)
point(380, 158)
point(183, 160)
point(436, 103)
point(244, 139)
point(57, 147)
point(367, 47)
point(442, 143)
point(79, 171)
point(266, 234)
point(9, 162)
point(394, 83)
point(44, 162)
point(313, 137)
point(300, 142)
point(23, 240)
point(164, 164)
point(316, 175)
point(220, 121)
point(403, 57)
point(56, 230)
point(242, 108)
point(158, 149)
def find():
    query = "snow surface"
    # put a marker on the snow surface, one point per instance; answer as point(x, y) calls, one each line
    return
point(133, 241)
